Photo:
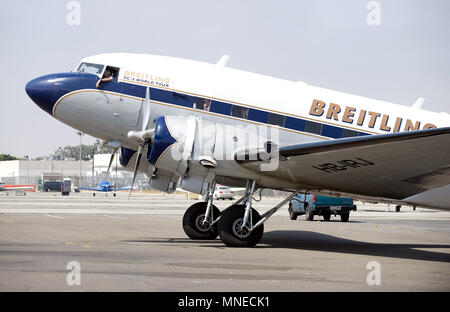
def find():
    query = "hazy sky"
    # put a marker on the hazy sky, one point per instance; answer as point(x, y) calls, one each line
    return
point(324, 43)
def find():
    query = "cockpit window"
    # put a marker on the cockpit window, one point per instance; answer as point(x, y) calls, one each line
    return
point(90, 68)
point(111, 71)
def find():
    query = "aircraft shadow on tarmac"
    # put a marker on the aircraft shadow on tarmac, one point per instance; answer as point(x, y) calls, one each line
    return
point(306, 240)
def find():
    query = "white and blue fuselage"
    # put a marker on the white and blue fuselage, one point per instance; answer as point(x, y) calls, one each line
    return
point(300, 112)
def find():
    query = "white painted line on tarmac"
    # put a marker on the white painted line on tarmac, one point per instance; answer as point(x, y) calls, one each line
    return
point(48, 211)
point(115, 217)
point(58, 217)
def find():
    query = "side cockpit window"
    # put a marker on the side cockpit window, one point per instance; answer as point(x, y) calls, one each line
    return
point(90, 68)
point(111, 72)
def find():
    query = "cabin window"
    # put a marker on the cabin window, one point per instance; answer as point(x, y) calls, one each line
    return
point(313, 127)
point(276, 119)
point(349, 133)
point(111, 71)
point(238, 111)
point(90, 68)
point(202, 104)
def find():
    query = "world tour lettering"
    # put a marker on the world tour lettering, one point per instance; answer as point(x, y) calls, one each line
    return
point(363, 117)
point(145, 77)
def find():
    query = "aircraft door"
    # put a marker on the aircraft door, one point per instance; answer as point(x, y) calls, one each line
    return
point(130, 105)
point(109, 100)
point(127, 100)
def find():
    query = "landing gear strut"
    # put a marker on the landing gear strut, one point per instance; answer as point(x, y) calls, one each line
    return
point(243, 226)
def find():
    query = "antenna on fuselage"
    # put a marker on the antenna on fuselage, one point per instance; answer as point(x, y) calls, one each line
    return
point(419, 102)
point(223, 60)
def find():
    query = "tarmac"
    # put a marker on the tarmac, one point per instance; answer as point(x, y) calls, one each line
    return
point(139, 245)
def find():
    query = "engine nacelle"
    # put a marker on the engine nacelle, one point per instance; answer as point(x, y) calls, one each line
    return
point(127, 160)
point(191, 149)
point(168, 144)
point(164, 181)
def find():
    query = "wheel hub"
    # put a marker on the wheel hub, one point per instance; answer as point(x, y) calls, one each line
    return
point(239, 230)
point(202, 224)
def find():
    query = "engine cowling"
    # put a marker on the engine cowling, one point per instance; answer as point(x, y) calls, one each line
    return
point(189, 150)
point(164, 156)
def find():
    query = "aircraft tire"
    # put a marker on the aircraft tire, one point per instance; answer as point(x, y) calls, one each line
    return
point(192, 222)
point(229, 227)
point(292, 214)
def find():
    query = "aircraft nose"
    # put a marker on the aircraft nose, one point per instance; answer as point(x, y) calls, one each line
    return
point(40, 91)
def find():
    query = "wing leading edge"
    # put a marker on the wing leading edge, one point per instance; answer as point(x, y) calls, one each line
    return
point(392, 166)
point(90, 189)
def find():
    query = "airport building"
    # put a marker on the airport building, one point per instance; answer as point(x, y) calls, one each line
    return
point(91, 172)
point(29, 171)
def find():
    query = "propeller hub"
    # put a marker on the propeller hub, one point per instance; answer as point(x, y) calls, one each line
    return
point(141, 137)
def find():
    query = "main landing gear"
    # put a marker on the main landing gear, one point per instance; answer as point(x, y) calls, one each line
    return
point(200, 220)
point(238, 225)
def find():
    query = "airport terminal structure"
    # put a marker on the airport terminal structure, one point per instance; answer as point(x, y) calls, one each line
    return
point(36, 171)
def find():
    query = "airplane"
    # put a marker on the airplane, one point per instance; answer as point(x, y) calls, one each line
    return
point(193, 125)
point(105, 187)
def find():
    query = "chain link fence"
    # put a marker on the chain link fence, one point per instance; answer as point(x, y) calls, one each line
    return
point(141, 182)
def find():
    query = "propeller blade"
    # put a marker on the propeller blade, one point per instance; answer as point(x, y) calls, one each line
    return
point(111, 160)
point(138, 160)
point(141, 136)
point(146, 113)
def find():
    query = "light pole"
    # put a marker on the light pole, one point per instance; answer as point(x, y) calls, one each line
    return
point(116, 168)
point(62, 163)
point(93, 156)
point(26, 157)
point(80, 134)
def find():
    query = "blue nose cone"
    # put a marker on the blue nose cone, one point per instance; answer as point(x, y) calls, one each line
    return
point(46, 90)
point(40, 91)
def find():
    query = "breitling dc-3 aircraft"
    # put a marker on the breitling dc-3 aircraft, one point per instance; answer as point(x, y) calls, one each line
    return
point(190, 124)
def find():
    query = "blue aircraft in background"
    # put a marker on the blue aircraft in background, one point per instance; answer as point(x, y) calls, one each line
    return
point(105, 187)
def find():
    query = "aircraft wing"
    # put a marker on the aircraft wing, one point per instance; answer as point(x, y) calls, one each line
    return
point(120, 189)
point(388, 166)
